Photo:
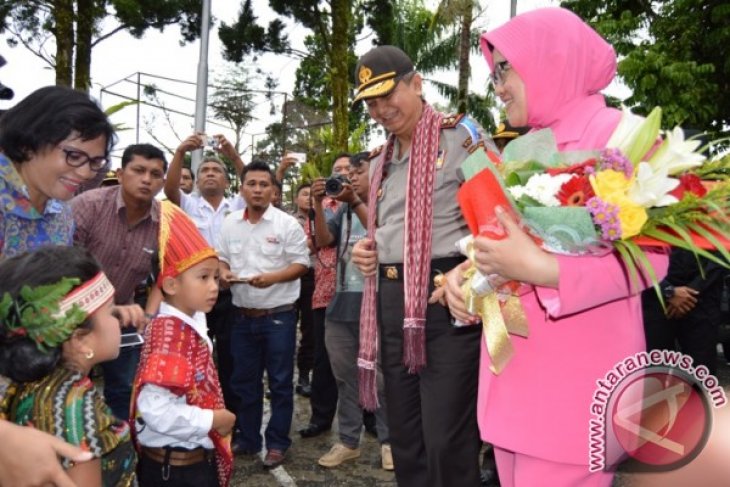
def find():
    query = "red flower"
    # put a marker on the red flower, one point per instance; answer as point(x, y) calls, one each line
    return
point(689, 183)
point(575, 192)
point(577, 169)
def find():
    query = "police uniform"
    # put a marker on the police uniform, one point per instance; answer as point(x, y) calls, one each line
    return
point(439, 444)
point(431, 414)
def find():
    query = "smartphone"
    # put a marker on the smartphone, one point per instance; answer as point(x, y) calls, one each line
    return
point(131, 340)
point(301, 157)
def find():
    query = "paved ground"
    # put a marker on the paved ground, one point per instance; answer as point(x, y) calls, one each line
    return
point(301, 467)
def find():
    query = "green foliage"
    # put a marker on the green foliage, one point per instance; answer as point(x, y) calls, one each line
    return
point(231, 99)
point(76, 27)
point(35, 313)
point(673, 54)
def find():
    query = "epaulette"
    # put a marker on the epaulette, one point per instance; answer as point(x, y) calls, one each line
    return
point(474, 140)
point(375, 152)
point(451, 121)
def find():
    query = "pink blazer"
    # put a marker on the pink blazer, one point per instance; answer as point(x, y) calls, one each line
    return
point(540, 404)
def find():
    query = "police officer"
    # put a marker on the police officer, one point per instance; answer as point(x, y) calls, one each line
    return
point(430, 366)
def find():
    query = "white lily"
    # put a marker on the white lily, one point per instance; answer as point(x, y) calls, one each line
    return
point(651, 187)
point(676, 154)
point(625, 130)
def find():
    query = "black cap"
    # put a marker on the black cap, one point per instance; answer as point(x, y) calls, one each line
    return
point(379, 71)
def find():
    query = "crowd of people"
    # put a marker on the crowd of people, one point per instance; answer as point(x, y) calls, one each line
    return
point(365, 270)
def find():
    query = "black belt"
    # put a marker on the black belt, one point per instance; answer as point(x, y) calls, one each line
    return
point(177, 457)
point(258, 313)
point(394, 272)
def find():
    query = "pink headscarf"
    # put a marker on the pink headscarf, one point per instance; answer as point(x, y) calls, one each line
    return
point(564, 64)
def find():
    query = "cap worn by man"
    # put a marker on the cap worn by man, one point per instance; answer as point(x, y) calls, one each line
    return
point(379, 71)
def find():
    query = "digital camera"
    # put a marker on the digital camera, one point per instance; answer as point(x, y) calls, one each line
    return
point(334, 185)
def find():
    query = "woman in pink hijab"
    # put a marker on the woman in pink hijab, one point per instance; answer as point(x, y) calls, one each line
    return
point(548, 67)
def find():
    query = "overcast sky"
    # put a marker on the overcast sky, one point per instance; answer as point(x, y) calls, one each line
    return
point(160, 54)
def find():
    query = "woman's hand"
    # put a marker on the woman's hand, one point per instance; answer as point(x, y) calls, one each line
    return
point(516, 257)
point(29, 457)
point(365, 257)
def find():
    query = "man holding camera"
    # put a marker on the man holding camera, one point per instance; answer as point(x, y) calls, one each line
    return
point(323, 398)
point(430, 366)
point(208, 208)
point(342, 328)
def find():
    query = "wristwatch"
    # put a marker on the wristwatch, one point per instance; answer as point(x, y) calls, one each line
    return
point(667, 291)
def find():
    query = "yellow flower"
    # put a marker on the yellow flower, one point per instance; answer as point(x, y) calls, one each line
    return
point(610, 185)
point(631, 216)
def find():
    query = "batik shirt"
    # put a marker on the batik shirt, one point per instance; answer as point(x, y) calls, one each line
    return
point(66, 404)
point(22, 227)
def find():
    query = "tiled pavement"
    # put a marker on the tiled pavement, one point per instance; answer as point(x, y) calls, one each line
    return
point(301, 468)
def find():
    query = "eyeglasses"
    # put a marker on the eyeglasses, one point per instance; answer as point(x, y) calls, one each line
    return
point(77, 158)
point(498, 74)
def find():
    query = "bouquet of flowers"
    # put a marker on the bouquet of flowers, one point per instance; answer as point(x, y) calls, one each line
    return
point(642, 191)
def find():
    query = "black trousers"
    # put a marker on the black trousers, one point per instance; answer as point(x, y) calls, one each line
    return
point(432, 415)
point(695, 333)
point(324, 387)
point(220, 323)
point(151, 474)
point(305, 353)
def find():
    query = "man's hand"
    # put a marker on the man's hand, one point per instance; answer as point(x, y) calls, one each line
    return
point(131, 315)
point(193, 142)
point(365, 257)
point(225, 147)
point(683, 301)
point(262, 280)
point(286, 162)
point(317, 191)
point(454, 296)
point(225, 278)
point(29, 458)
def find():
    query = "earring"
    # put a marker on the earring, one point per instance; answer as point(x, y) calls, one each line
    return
point(89, 355)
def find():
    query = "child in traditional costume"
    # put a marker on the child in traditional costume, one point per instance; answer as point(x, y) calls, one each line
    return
point(56, 323)
point(182, 428)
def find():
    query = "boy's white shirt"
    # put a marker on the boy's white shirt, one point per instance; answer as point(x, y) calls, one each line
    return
point(168, 419)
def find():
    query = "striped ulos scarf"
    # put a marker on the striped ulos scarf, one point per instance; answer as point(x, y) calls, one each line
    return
point(416, 255)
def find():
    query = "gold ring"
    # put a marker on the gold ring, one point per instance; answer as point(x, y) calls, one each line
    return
point(439, 280)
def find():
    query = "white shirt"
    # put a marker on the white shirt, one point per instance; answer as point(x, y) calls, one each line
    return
point(272, 244)
point(209, 219)
point(168, 419)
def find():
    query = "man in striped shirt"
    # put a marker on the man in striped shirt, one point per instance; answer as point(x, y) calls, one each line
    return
point(119, 226)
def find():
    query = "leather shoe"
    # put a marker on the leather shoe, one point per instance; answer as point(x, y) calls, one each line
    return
point(489, 477)
point(239, 450)
point(304, 390)
point(274, 458)
point(313, 430)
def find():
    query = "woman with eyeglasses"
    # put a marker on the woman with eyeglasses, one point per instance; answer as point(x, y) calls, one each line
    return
point(51, 143)
point(548, 68)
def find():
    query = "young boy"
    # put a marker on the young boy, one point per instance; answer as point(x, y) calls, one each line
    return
point(182, 427)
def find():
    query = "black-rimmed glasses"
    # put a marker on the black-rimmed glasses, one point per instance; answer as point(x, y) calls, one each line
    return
point(498, 74)
point(77, 158)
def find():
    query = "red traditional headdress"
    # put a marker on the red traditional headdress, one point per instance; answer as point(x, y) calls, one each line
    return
point(181, 244)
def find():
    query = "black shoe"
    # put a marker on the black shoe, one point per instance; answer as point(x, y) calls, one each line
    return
point(368, 420)
point(239, 450)
point(489, 477)
point(313, 430)
point(304, 390)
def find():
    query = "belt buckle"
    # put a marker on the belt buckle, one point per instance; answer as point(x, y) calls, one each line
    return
point(391, 272)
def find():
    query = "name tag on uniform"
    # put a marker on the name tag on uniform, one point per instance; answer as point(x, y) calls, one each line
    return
point(440, 159)
point(272, 240)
